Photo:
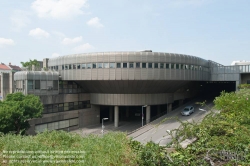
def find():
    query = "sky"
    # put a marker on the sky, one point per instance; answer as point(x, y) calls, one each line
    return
point(217, 30)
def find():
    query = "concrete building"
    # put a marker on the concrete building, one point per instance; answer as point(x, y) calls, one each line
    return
point(7, 79)
point(79, 90)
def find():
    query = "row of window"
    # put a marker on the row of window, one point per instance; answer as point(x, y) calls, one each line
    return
point(38, 84)
point(52, 108)
point(57, 125)
point(128, 65)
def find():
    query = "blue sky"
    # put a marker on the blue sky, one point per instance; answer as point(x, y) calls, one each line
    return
point(217, 30)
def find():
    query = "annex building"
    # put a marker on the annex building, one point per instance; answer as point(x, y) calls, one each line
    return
point(80, 90)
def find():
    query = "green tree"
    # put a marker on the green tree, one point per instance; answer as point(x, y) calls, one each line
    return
point(30, 63)
point(16, 110)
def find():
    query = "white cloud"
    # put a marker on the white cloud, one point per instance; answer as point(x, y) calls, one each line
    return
point(67, 41)
point(58, 9)
point(83, 47)
point(19, 20)
point(95, 22)
point(39, 33)
point(4, 42)
point(54, 55)
point(59, 34)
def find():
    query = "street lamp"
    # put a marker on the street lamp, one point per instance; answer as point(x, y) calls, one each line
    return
point(142, 114)
point(103, 125)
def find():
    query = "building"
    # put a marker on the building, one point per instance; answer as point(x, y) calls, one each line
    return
point(79, 90)
point(7, 79)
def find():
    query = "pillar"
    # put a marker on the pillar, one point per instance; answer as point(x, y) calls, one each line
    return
point(158, 110)
point(116, 116)
point(127, 112)
point(147, 114)
point(169, 107)
point(111, 113)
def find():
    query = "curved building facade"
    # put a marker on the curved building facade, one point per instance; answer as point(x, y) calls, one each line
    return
point(79, 90)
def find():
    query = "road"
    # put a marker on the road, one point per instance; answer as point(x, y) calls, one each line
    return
point(158, 132)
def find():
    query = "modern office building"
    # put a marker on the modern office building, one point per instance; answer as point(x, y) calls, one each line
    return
point(79, 90)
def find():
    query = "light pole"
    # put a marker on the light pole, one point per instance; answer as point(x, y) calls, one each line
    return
point(142, 114)
point(103, 125)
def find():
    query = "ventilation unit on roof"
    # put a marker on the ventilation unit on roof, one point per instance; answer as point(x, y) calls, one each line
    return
point(146, 51)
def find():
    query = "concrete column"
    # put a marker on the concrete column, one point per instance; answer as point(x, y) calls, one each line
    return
point(180, 102)
point(169, 107)
point(111, 112)
point(127, 112)
point(158, 110)
point(116, 116)
point(148, 114)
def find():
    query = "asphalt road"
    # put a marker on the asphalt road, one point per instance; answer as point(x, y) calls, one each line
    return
point(156, 131)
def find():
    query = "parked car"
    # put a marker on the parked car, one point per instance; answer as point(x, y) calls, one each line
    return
point(187, 110)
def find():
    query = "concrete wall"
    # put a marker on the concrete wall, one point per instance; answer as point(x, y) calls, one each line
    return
point(130, 99)
point(89, 116)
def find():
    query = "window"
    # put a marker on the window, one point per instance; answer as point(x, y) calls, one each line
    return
point(131, 65)
point(60, 107)
point(124, 65)
point(137, 64)
point(177, 66)
point(50, 108)
point(63, 124)
point(112, 65)
point(150, 65)
point(55, 108)
point(66, 106)
point(86, 104)
point(161, 65)
point(88, 65)
point(30, 84)
point(182, 66)
point(73, 122)
point(118, 65)
point(66, 67)
point(83, 66)
point(156, 65)
point(74, 66)
point(172, 66)
point(93, 65)
point(55, 84)
point(37, 84)
point(76, 105)
point(186, 67)
point(71, 106)
point(78, 66)
point(143, 65)
point(99, 65)
point(62, 67)
point(70, 67)
point(191, 67)
point(105, 65)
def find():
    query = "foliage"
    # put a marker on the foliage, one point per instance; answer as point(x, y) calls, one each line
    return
point(244, 86)
point(29, 64)
point(16, 110)
point(111, 149)
point(225, 130)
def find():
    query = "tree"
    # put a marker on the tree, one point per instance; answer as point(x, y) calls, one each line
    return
point(16, 110)
point(30, 63)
